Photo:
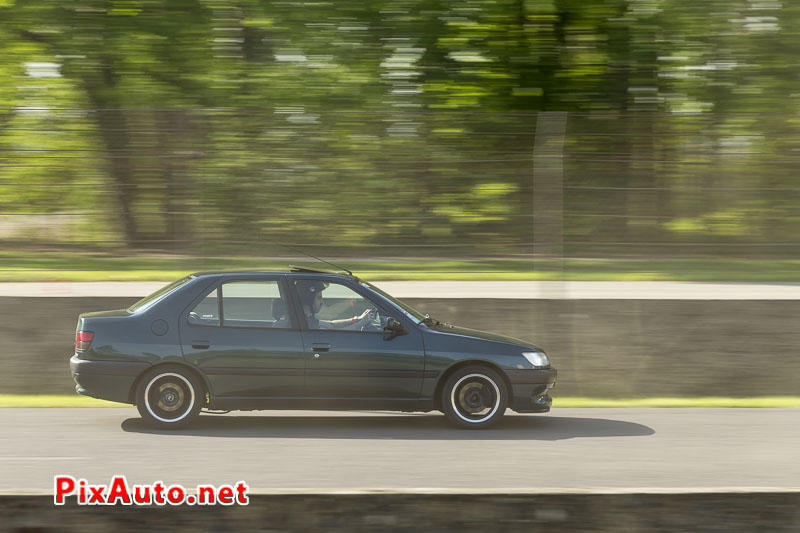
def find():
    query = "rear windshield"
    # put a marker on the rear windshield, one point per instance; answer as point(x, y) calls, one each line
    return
point(149, 301)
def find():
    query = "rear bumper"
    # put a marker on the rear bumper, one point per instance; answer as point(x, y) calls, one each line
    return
point(106, 380)
point(529, 389)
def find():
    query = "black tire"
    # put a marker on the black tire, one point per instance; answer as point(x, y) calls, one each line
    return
point(169, 397)
point(474, 397)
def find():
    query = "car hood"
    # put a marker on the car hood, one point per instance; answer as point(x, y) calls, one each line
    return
point(477, 334)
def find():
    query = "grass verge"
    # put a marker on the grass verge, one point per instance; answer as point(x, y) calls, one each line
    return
point(31, 400)
point(56, 266)
point(761, 401)
point(53, 400)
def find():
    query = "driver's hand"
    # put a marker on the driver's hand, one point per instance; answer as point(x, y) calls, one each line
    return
point(369, 313)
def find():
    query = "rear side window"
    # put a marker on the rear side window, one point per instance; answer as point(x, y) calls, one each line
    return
point(255, 304)
point(206, 313)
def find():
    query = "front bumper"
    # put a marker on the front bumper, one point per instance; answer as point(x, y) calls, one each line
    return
point(529, 389)
point(106, 380)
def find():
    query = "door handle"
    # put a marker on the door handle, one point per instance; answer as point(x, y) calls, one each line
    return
point(201, 345)
point(320, 346)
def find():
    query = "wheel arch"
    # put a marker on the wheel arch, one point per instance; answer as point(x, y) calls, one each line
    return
point(170, 364)
point(437, 394)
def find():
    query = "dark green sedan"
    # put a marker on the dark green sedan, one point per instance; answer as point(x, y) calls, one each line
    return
point(301, 339)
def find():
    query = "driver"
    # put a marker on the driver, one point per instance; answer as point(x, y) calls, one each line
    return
point(310, 293)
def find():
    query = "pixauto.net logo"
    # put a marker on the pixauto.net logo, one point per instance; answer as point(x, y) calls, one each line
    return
point(119, 492)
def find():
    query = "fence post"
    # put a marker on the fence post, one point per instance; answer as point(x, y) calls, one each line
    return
point(548, 188)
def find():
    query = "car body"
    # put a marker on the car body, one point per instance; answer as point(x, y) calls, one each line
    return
point(299, 339)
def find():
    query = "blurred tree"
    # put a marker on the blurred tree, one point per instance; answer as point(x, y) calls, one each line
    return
point(399, 123)
point(121, 56)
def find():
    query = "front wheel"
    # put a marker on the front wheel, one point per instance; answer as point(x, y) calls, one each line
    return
point(474, 397)
point(169, 397)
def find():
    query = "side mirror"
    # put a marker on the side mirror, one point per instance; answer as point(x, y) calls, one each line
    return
point(394, 328)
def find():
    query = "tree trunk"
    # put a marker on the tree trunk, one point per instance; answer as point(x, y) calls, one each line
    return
point(111, 125)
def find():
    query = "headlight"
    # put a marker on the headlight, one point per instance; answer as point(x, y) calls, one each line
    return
point(537, 359)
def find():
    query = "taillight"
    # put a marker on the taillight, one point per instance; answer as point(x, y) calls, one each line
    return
point(83, 339)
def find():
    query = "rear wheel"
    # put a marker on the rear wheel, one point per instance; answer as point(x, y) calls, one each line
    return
point(474, 397)
point(169, 397)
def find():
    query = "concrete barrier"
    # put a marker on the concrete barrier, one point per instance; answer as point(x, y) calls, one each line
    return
point(377, 513)
point(608, 348)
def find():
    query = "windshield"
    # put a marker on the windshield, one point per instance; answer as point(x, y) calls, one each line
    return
point(148, 301)
point(409, 311)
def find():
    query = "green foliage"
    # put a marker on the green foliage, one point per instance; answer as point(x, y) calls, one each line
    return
point(398, 125)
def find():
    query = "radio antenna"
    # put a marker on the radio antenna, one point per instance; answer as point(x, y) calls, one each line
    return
point(311, 256)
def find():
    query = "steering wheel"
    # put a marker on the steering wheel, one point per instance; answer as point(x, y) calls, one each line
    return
point(375, 323)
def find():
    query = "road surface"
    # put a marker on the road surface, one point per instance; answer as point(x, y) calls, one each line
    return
point(567, 449)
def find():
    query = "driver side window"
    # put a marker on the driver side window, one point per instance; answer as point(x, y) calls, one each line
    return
point(344, 309)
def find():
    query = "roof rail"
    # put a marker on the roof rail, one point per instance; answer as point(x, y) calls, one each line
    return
point(294, 268)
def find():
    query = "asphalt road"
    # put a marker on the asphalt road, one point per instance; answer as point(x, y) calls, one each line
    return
point(617, 449)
